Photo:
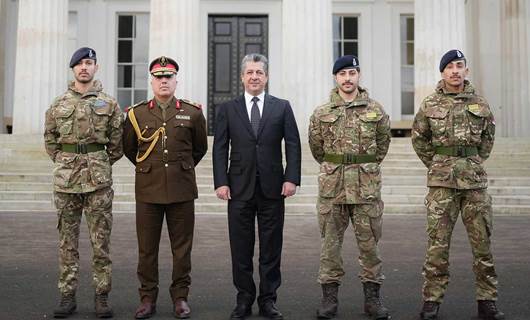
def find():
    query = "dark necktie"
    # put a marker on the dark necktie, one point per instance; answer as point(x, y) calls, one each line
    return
point(254, 115)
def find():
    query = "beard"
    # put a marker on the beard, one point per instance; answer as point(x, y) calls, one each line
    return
point(349, 89)
point(84, 80)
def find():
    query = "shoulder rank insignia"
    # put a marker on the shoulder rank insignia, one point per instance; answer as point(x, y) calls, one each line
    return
point(135, 105)
point(196, 105)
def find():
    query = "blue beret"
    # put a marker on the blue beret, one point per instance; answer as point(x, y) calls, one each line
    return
point(451, 56)
point(82, 53)
point(346, 62)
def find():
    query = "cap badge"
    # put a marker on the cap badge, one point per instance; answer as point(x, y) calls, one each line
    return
point(163, 61)
point(459, 54)
point(90, 54)
point(354, 62)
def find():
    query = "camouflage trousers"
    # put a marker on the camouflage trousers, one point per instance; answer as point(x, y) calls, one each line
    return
point(97, 206)
point(443, 207)
point(367, 223)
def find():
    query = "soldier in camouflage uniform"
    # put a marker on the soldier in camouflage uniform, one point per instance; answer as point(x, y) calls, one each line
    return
point(349, 136)
point(83, 131)
point(453, 134)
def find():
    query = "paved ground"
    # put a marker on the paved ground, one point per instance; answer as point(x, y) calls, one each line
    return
point(28, 269)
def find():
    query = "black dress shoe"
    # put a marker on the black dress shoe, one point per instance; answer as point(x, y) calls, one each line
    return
point(241, 311)
point(269, 310)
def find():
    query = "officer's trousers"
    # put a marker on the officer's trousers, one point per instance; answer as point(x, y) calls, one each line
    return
point(97, 207)
point(443, 207)
point(367, 224)
point(180, 219)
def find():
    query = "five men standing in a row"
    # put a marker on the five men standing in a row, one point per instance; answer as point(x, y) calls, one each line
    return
point(349, 136)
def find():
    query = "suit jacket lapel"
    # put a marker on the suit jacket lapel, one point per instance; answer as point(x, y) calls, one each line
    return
point(241, 110)
point(268, 109)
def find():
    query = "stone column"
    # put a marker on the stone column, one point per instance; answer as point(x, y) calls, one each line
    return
point(41, 61)
point(2, 64)
point(515, 68)
point(439, 26)
point(174, 31)
point(307, 56)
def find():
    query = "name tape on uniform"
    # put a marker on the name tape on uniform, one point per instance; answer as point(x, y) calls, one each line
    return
point(473, 107)
point(182, 117)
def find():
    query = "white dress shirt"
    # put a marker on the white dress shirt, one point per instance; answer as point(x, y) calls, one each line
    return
point(249, 103)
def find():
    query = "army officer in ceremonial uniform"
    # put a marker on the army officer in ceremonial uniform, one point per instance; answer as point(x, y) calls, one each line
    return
point(165, 138)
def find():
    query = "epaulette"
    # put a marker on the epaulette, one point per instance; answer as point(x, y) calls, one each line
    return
point(135, 105)
point(195, 104)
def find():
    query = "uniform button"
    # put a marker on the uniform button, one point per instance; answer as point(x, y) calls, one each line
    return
point(165, 151)
point(181, 124)
point(164, 124)
point(166, 165)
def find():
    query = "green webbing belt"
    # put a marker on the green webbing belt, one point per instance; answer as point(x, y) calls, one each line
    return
point(457, 151)
point(349, 158)
point(82, 148)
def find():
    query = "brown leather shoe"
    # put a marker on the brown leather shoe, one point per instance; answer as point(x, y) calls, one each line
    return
point(182, 309)
point(145, 310)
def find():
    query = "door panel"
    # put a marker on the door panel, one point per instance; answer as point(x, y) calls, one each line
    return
point(230, 38)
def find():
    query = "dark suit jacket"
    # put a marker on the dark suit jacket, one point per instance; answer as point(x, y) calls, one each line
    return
point(167, 176)
point(250, 154)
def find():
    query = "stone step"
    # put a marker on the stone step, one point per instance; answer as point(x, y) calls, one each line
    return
point(307, 165)
point(219, 207)
point(388, 180)
point(127, 174)
point(389, 199)
point(127, 189)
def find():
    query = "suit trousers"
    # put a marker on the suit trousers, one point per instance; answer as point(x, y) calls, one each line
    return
point(180, 219)
point(241, 225)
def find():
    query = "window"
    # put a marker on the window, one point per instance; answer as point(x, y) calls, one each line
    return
point(407, 64)
point(345, 36)
point(133, 55)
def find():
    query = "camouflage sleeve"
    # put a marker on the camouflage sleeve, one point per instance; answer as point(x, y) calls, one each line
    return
point(200, 140)
point(316, 141)
point(50, 134)
point(487, 138)
point(114, 146)
point(382, 137)
point(421, 137)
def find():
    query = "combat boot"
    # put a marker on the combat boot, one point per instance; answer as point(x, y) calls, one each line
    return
point(101, 303)
point(373, 305)
point(429, 310)
point(66, 306)
point(329, 304)
point(487, 310)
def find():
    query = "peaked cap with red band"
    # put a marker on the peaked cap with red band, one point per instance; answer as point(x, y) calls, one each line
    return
point(163, 66)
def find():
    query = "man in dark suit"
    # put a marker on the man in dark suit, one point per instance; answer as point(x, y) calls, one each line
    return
point(165, 138)
point(254, 182)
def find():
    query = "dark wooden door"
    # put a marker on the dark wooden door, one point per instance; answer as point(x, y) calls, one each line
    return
point(230, 38)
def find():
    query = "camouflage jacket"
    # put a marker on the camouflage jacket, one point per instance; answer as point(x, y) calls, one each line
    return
point(451, 119)
point(358, 127)
point(92, 117)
